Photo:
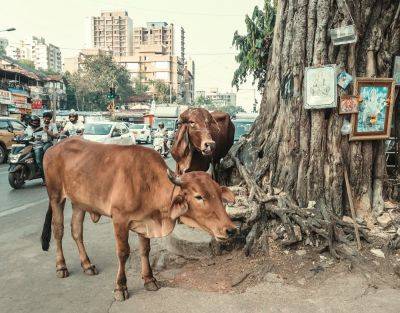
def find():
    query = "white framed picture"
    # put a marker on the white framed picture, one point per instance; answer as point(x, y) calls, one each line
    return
point(320, 87)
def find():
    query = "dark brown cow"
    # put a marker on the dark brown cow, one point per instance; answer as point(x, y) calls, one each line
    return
point(202, 138)
point(133, 186)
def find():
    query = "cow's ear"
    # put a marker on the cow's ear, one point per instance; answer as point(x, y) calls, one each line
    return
point(214, 124)
point(227, 195)
point(181, 149)
point(178, 207)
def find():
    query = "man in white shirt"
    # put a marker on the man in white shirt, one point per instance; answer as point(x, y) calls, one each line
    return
point(74, 127)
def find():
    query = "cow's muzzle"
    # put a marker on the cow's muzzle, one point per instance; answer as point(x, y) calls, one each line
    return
point(208, 148)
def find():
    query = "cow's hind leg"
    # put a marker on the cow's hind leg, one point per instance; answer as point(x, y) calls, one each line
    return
point(121, 231)
point(78, 216)
point(150, 283)
point(57, 206)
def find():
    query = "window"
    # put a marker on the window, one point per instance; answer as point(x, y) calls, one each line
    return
point(3, 125)
point(132, 66)
point(162, 75)
point(162, 65)
point(17, 125)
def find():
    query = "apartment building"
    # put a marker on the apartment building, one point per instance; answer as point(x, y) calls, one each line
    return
point(44, 56)
point(150, 63)
point(170, 36)
point(111, 31)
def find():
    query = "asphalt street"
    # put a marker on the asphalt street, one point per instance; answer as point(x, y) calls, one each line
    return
point(28, 281)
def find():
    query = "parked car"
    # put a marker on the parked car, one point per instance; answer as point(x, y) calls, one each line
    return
point(243, 123)
point(141, 132)
point(108, 132)
point(9, 128)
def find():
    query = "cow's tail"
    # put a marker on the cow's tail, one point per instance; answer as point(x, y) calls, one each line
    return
point(46, 233)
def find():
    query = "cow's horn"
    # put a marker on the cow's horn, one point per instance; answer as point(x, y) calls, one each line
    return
point(173, 178)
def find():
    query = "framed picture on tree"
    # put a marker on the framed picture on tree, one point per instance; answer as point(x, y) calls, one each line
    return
point(348, 104)
point(375, 109)
point(396, 70)
point(320, 87)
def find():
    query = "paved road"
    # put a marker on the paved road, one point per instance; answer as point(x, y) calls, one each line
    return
point(28, 282)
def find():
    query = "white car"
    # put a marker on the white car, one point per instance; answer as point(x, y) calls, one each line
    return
point(142, 132)
point(108, 132)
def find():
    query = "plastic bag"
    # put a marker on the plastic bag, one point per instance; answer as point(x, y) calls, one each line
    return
point(346, 128)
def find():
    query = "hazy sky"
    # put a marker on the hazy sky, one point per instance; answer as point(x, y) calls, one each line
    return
point(209, 26)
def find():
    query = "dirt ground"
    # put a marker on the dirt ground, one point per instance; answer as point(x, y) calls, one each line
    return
point(303, 267)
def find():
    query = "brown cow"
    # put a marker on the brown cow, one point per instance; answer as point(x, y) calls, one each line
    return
point(133, 186)
point(203, 138)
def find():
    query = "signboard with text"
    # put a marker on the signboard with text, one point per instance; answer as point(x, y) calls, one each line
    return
point(5, 97)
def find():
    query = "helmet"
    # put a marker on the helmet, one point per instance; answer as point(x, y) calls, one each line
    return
point(73, 113)
point(48, 114)
point(34, 121)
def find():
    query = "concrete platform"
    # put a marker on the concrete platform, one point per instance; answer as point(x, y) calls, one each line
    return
point(189, 243)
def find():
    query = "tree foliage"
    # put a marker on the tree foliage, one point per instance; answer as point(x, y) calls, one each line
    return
point(208, 104)
point(162, 91)
point(139, 88)
point(90, 85)
point(28, 63)
point(254, 46)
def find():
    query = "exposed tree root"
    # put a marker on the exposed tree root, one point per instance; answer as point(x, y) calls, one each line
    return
point(315, 224)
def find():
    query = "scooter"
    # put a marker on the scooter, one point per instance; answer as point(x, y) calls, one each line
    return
point(158, 144)
point(22, 163)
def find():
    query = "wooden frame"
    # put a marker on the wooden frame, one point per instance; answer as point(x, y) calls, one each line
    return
point(320, 90)
point(346, 107)
point(376, 97)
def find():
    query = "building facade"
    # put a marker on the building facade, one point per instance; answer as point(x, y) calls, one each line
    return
point(111, 31)
point(170, 36)
point(152, 63)
point(73, 64)
point(217, 97)
point(44, 56)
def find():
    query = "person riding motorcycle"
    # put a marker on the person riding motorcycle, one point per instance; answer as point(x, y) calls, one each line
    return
point(74, 127)
point(50, 131)
point(162, 132)
point(35, 133)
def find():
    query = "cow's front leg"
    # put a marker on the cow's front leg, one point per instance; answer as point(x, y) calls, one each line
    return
point(150, 283)
point(121, 232)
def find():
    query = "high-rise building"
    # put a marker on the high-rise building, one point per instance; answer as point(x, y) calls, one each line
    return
point(44, 56)
point(170, 36)
point(111, 31)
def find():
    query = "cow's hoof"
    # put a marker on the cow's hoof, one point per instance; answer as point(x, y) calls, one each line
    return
point(92, 270)
point(62, 272)
point(121, 295)
point(151, 285)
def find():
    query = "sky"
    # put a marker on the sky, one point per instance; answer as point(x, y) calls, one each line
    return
point(209, 27)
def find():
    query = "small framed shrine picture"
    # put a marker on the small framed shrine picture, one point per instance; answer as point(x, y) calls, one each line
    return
point(348, 104)
point(375, 109)
point(320, 90)
point(344, 79)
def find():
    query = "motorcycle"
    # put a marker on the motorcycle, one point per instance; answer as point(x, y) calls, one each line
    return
point(159, 144)
point(22, 163)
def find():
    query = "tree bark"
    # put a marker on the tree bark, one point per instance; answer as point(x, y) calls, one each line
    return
point(302, 151)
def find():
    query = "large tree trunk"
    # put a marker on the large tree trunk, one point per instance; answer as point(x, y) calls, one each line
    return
point(302, 151)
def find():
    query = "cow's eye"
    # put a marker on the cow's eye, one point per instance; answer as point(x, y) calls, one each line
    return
point(198, 197)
